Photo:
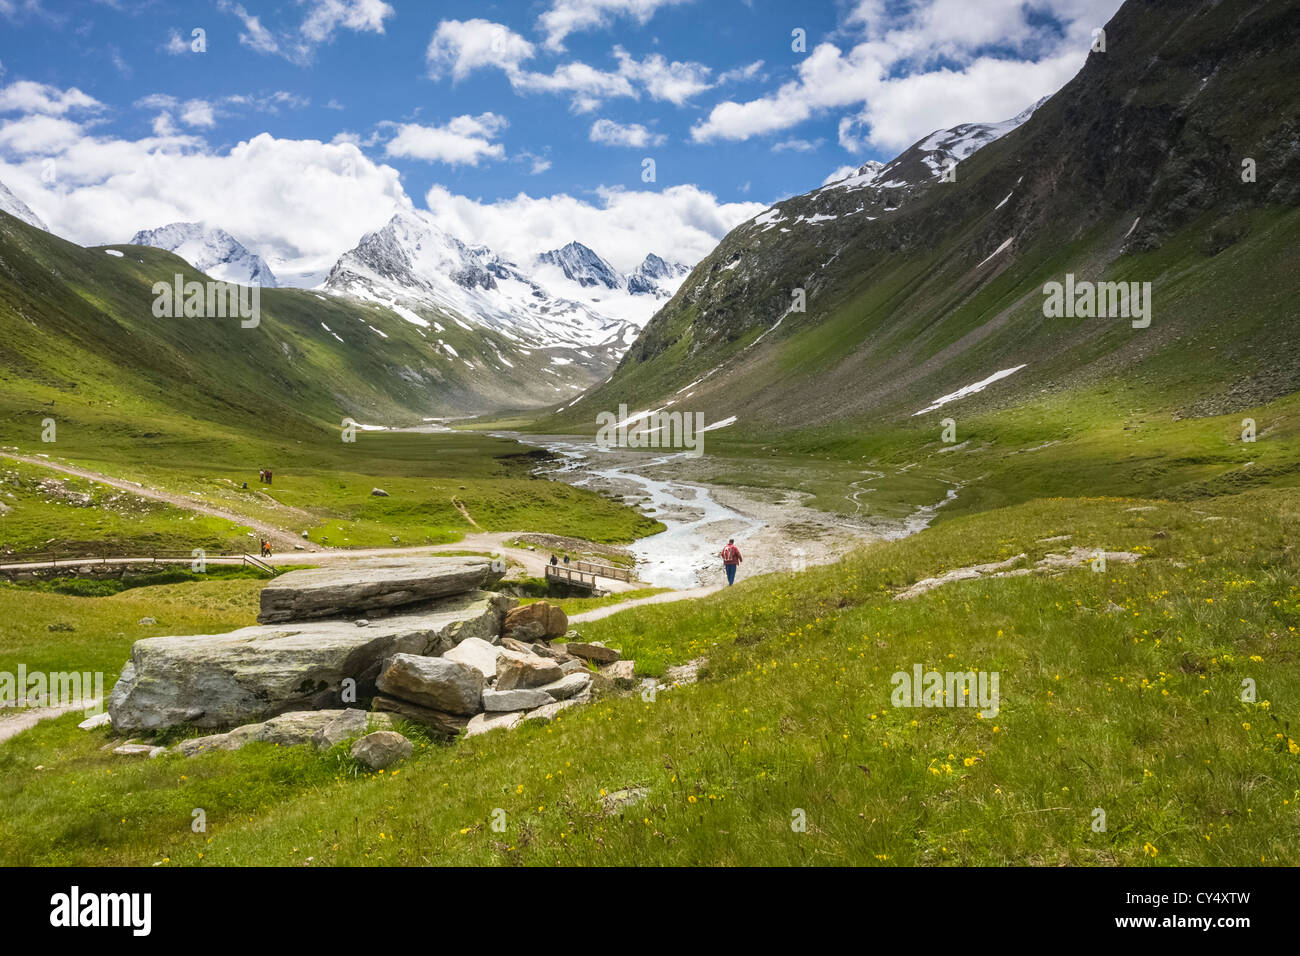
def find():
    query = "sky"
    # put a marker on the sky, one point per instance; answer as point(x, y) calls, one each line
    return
point(633, 126)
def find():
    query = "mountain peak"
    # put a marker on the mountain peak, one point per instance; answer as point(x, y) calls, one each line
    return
point(20, 210)
point(583, 266)
point(211, 250)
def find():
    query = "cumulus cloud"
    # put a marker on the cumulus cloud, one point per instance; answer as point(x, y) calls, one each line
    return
point(326, 16)
point(301, 203)
point(609, 133)
point(674, 82)
point(464, 140)
point(27, 96)
point(572, 16)
point(683, 223)
point(930, 67)
point(459, 47)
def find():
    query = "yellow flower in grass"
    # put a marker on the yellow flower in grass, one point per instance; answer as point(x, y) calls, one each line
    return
point(1149, 850)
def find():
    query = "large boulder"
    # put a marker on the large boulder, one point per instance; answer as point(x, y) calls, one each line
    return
point(434, 682)
point(521, 623)
point(224, 680)
point(525, 670)
point(370, 585)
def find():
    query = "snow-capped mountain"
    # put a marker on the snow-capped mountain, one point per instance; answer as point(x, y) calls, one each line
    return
point(413, 261)
point(930, 157)
point(583, 266)
point(16, 207)
point(210, 250)
point(656, 276)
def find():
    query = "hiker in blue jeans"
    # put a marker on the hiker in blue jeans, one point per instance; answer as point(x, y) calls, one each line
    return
point(730, 558)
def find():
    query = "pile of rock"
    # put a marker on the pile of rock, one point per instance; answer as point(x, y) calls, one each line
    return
point(433, 648)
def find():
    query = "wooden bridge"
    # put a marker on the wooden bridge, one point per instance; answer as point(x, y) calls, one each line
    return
point(53, 560)
point(604, 570)
point(584, 574)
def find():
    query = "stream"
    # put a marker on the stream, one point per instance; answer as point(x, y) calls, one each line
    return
point(698, 526)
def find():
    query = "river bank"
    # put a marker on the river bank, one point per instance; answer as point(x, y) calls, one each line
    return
point(773, 528)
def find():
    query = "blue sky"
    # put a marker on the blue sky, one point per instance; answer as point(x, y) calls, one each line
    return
point(494, 115)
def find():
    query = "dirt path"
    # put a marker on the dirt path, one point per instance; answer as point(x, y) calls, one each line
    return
point(11, 725)
point(666, 597)
point(277, 536)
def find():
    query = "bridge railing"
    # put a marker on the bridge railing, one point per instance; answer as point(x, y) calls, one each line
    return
point(570, 576)
point(58, 559)
point(604, 570)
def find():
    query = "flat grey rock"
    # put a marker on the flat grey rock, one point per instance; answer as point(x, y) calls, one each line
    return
point(321, 728)
point(570, 685)
point(225, 680)
point(523, 698)
point(482, 723)
point(370, 584)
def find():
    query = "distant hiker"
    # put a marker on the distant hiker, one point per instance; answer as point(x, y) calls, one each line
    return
point(261, 476)
point(566, 559)
point(730, 558)
point(554, 560)
point(266, 549)
point(268, 477)
point(245, 486)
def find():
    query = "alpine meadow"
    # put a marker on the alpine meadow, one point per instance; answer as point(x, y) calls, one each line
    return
point(652, 433)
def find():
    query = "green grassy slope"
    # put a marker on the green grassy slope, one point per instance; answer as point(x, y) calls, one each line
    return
point(1131, 172)
point(1119, 691)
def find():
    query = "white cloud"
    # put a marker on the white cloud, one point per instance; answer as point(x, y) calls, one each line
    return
point(459, 47)
point(609, 133)
point(255, 35)
point(176, 44)
point(463, 140)
point(681, 222)
point(38, 135)
point(326, 16)
point(26, 96)
point(571, 16)
point(796, 146)
point(906, 109)
point(740, 73)
point(674, 82)
point(925, 69)
point(302, 203)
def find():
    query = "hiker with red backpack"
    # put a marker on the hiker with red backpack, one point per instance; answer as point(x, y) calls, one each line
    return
point(730, 558)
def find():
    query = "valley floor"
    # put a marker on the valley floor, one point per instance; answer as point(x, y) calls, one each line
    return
point(1121, 690)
